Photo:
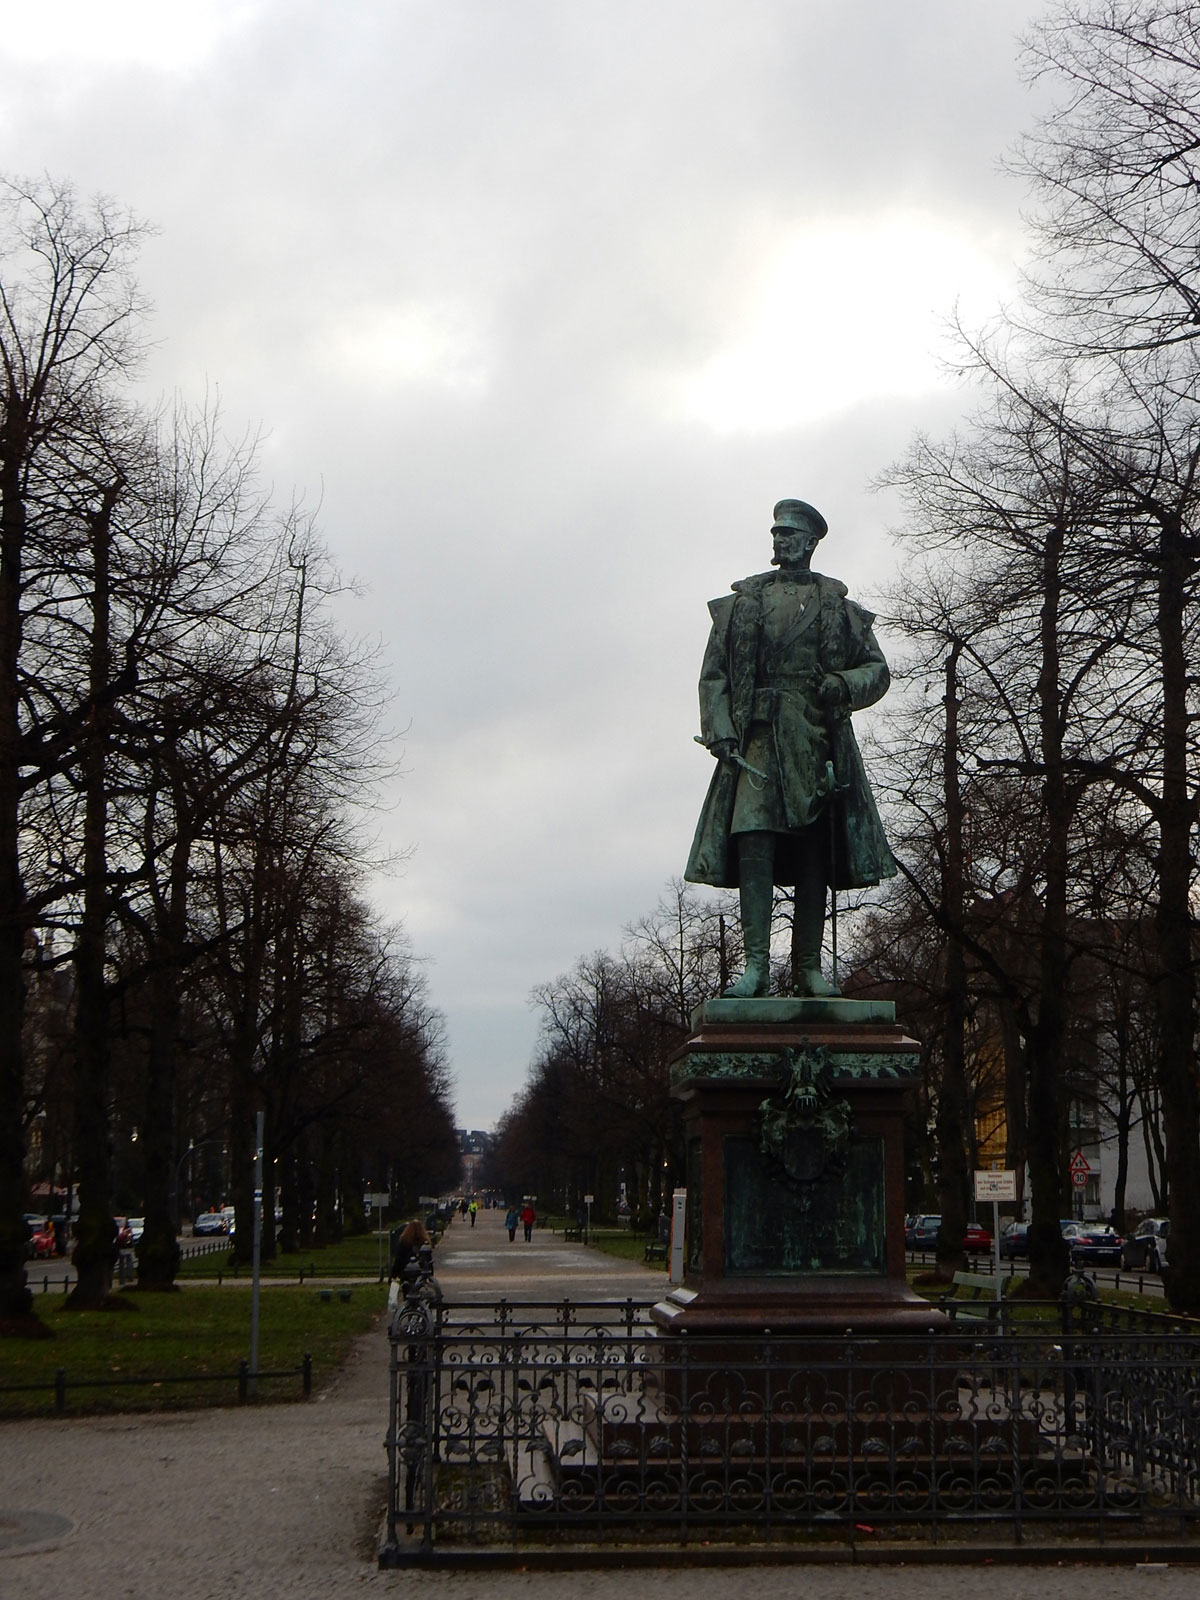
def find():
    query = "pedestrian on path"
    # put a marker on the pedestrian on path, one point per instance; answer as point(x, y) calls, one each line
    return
point(510, 1222)
point(473, 1211)
point(528, 1218)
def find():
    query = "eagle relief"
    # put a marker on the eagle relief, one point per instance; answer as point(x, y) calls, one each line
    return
point(805, 1129)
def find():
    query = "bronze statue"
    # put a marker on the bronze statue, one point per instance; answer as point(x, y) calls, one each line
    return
point(788, 659)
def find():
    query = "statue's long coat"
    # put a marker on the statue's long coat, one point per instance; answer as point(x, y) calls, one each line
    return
point(728, 688)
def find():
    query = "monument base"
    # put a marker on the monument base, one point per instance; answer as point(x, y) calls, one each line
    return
point(794, 1122)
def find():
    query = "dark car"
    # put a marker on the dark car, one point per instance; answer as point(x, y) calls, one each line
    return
point(1093, 1244)
point(1014, 1241)
point(922, 1232)
point(1147, 1245)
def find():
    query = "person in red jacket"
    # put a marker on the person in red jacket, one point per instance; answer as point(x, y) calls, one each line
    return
point(528, 1218)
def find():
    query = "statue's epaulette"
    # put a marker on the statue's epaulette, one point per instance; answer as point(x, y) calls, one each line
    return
point(743, 585)
point(834, 584)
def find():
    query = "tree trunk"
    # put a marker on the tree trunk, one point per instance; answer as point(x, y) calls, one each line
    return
point(158, 1249)
point(1049, 1257)
point(15, 1299)
point(1176, 984)
point(951, 1127)
point(95, 1251)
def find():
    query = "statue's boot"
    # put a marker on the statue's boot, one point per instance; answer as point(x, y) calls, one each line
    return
point(809, 933)
point(756, 897)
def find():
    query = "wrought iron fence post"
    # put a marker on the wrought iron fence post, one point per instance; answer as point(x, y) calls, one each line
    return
point(391, 1441)
point(685, 1408)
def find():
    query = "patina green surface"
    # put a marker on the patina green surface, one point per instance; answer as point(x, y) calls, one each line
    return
point(789, 658)
point(831, 1223)
point(810, 1199)
point(859, 1065)
point(792, 1009)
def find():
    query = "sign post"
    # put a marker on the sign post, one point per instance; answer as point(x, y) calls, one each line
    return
point(379, 1199)
point(678, 1228)
point(1081, 1171)
point(256, 1259)
point(996, 1186)
point(587, 1226)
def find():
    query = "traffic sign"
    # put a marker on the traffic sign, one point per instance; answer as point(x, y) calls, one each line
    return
point(1079, 1178)
point(1080, 1163)
point(995, 1186)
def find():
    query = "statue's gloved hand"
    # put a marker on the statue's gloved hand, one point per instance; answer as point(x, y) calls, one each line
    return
point(724, 749)
point(833, 690)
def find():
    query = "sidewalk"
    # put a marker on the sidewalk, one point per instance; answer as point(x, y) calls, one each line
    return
point(286, 1502)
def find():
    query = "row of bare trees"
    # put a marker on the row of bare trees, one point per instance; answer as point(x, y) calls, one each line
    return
point(596, 1110)
point(1044, 797)
point(185, 741)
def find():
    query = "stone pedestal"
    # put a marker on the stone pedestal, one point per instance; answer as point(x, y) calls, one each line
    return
point(794, 1121)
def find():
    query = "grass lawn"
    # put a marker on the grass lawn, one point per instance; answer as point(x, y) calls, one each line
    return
point(620, 1242)
point(199, 1332)
point(356, 1257)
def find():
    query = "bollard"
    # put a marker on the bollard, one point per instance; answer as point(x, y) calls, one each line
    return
point(307, 1375)
point(220, 1279)
point(46, 1284)
point(243, 1380)
point(301, 1277)
point(60, 1389)
point(66, 1284)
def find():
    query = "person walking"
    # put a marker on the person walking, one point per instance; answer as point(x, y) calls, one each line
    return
point(510, 1222)
point(528, 1218)
point(473, 1211)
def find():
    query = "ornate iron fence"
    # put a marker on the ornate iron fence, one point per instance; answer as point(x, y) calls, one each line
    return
point(579, 1420)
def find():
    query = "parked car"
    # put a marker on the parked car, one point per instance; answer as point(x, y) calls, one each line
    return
point(920, 1233)
point(1147, 1246)
point(41, 1241)
point(1014, 1241)
point(209, 1222)
point(1093, 1244)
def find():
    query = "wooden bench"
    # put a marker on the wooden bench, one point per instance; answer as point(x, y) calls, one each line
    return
point(573, 1235)
point(977, 1299)
point(655, 1251)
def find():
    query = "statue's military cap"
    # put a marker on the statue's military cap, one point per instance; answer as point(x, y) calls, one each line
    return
point(799, 514)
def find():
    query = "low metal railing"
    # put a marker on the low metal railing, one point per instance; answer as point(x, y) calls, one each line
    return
point(513, 1422)
point(245, 1379)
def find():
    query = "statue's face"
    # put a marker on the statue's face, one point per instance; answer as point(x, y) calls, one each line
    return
point(793, 546)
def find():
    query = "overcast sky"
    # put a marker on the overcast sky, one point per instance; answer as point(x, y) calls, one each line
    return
point(547, 302)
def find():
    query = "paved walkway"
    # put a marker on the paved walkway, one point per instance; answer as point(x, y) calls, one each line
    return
point(287, 1501)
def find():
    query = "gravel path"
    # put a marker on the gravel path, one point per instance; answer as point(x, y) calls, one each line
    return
point(287, 1501)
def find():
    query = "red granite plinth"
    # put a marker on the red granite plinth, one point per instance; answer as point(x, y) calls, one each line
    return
point(804, 1235)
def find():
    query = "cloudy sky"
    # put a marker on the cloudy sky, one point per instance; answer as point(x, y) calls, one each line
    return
point(546, 302)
